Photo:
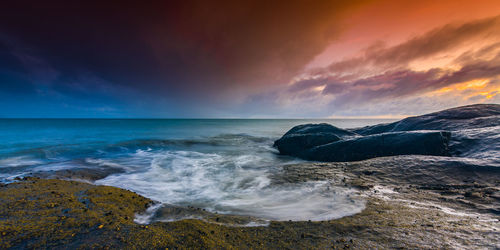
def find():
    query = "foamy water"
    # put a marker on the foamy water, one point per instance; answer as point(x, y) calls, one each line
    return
point(233, 184)
point(223, 166)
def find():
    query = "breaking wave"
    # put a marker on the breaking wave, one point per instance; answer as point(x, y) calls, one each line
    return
point(233, 185)
point(226, 173)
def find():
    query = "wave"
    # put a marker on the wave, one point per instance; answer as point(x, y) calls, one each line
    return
point(18, 161)
point(227, 173)
point(219, 140)
point(99, 149)
point(230, 184)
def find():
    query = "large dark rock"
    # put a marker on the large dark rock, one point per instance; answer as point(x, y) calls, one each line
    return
point(302, 137)
point(468, 131)
point(386, 144)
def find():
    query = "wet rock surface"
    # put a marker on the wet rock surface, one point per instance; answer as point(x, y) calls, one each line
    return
point(301, 138)
point(385, 144)
point(465, 184)
point(415, 202)
point(465, 191)
point(469, 131)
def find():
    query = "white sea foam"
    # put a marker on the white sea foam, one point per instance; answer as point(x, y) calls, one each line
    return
point(108, 163)
point(18, 161)
point(54, 166)
point(233, 184)
point(145, 218)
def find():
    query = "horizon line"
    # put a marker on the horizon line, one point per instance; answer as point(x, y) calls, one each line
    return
point(210, 118)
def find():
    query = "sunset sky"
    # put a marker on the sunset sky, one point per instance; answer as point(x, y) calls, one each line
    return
point(247, 59)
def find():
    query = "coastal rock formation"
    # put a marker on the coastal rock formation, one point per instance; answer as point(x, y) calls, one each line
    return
point(303, 137)
point(468, 131)
point(385, 144)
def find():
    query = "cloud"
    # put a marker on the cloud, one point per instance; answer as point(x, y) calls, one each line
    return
point(408, 83)
point(379, 57)
point(435, 41)
point(194, 58)
point(182, 49)
point(385, 74)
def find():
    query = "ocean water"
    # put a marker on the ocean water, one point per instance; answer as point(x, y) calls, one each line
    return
point(221, 165)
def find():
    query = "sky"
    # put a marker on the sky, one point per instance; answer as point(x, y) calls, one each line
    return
point(247, 59)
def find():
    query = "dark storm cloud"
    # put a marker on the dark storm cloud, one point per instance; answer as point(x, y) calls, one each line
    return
point(22, 68)
point(174, 48)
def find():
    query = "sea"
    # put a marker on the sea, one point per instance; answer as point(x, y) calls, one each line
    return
point(221, 165)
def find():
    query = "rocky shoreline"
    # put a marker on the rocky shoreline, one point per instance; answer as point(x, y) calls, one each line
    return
point(400, 213)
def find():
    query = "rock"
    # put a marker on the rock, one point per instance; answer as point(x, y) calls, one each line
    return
point(302, 137)
point(475, 129)
point(468, 131)
point(386, 144)
point(295, 144)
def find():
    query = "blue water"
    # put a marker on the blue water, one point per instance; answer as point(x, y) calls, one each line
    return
point(222, 165)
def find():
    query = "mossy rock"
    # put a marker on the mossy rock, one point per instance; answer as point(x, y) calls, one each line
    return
point(40, 213)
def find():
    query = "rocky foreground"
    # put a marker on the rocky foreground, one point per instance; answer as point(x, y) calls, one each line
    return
point(407, 206)
point(448, 198)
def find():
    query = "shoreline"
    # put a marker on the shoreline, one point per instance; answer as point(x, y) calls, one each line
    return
point(400, 212)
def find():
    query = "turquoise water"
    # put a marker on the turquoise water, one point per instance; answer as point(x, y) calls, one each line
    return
point(222, 165)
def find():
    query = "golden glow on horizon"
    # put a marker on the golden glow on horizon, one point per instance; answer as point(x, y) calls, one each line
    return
point(470, 89)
